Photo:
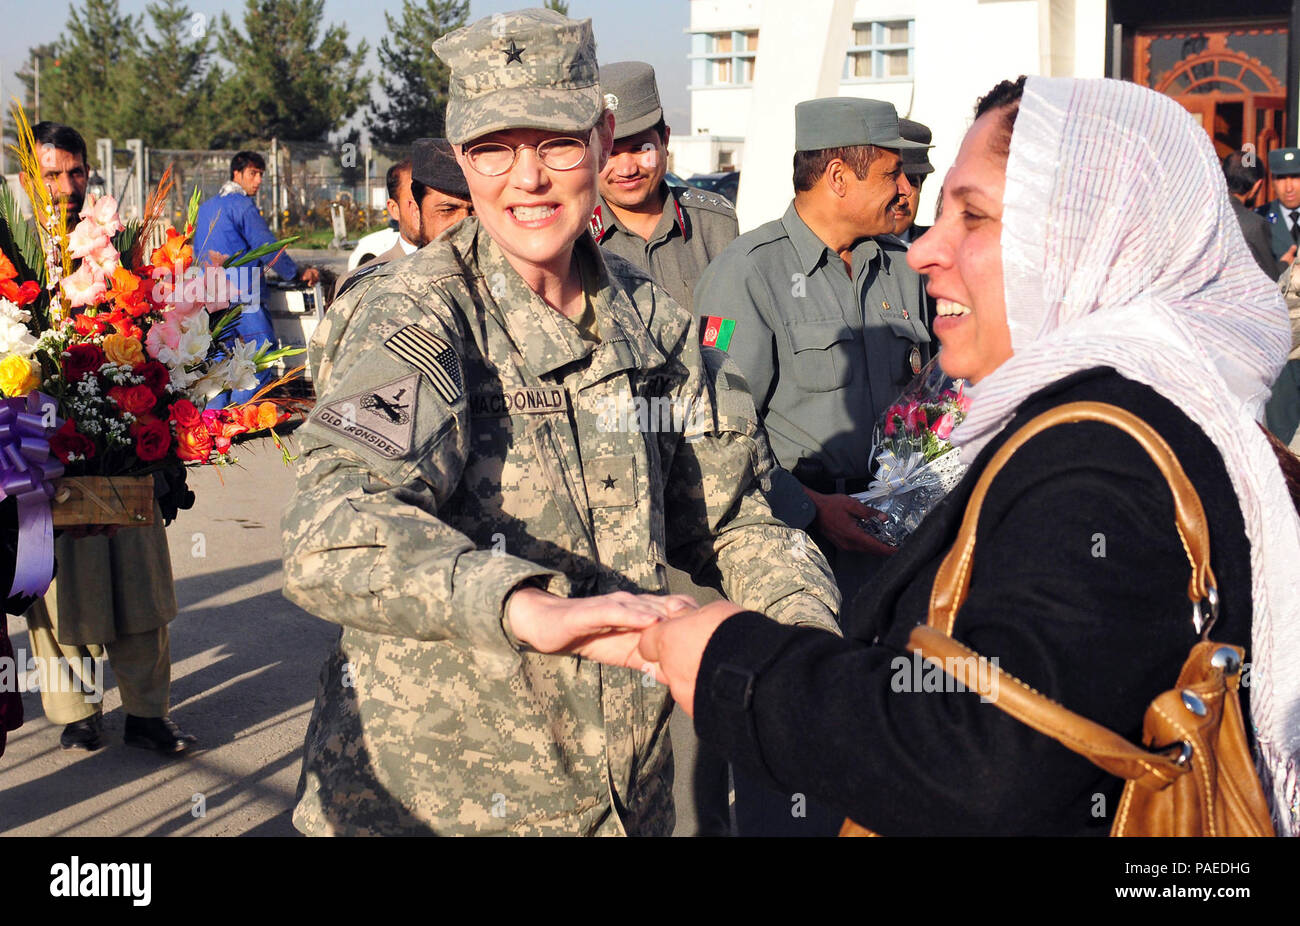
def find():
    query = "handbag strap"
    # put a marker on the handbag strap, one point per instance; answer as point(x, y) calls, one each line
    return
point(1089, 739)
point(934, 641)
point(952, 582)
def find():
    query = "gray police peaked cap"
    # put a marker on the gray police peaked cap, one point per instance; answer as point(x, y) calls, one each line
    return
point(632, 95)
point(530, 69)
point(845, 122)
point(915, 160)
point(1284, 162)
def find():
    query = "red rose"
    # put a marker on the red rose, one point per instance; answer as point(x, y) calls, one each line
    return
point(67, 441)
point(138, 400)
point(80, 359)
point(152, 437)
point(155, 376)
point(185, 414)
point(193, 444)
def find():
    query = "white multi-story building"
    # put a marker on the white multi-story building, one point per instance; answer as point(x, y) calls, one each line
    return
point(878, 64)
point(1236, 66)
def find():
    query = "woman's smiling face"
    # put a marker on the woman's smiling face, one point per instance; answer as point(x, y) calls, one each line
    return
point(535, 212)
point(962, 255)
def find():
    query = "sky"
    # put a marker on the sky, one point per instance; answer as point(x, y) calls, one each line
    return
point(645, 30)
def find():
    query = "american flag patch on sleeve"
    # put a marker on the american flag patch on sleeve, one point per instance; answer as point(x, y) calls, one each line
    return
point(432, 356)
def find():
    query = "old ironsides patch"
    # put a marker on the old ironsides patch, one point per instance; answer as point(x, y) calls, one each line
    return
point(382, 418)
point(432, 356)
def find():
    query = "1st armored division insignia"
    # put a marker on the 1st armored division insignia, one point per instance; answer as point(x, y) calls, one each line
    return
point(381, 418)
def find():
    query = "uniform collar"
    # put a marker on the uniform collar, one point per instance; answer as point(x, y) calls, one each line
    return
point(546, 339)
point(811, 249)
point(604, 220)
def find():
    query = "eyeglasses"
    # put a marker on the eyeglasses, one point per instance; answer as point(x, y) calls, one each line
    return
point(492, 159)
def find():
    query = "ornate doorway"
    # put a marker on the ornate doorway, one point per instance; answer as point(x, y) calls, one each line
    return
point(1230, 78)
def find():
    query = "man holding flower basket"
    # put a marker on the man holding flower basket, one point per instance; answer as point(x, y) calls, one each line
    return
point(110, 344)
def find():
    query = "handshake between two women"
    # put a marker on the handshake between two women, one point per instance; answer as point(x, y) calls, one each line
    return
point(663, 634)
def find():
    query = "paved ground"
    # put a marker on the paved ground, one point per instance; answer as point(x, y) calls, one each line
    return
point(244, 666)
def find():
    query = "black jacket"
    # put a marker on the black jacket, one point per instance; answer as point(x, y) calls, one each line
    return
point(1258, 235)
point(1101, 634)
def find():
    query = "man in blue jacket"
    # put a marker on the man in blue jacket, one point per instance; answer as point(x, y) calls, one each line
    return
point(228, 224)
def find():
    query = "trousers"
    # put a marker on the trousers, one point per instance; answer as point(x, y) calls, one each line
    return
point(141, 662)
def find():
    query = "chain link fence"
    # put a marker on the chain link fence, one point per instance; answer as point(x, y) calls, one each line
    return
point(303, 183)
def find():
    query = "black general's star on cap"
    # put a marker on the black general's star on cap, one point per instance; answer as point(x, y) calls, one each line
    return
point(609, 481)
point(513, 52)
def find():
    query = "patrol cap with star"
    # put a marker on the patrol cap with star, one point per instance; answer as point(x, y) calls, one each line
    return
point(632, 95)
point(915, 160)
point(845, 122)
point(1284, 162)
point(530, 69)
point(434, 164)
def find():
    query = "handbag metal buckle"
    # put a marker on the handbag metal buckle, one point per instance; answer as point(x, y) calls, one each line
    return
point(1202, 620)
point(1184, 754)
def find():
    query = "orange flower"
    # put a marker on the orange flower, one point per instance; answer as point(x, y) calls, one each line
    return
point(268, 416)
point(177, 247)
point(121, 349)
point(86, 324)
point(19, 295)
point(127, 293)
point(194, 444)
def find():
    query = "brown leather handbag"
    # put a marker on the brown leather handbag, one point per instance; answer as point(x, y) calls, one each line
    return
point(1196, 776)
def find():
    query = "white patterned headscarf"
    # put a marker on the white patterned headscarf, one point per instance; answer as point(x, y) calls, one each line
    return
point(1120, 248)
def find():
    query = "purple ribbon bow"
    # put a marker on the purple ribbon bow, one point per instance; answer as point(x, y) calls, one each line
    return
point(27, 472)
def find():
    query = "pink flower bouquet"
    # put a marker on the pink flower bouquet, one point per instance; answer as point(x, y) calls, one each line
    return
point(914, 463)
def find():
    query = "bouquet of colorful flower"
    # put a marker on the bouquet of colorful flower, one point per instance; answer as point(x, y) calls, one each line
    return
point(113, 361)
point(914, 462)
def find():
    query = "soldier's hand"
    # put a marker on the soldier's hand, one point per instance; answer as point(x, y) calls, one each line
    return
point(605, 628)
point(837, 518)
point(1289, 256)
point(675, 648)
point(310, 276)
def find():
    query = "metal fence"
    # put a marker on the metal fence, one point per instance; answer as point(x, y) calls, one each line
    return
point(303, 181)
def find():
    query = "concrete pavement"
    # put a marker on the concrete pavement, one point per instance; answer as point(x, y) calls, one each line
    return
point(244, 668)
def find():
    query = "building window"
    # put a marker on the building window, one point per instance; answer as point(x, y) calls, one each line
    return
point(880, 51)
point(723, 58)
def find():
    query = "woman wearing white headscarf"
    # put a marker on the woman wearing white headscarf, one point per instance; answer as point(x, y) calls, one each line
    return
point(1086, 251)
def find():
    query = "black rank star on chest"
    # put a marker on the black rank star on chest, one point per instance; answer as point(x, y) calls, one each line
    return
point(608, 482)
point(513, 53)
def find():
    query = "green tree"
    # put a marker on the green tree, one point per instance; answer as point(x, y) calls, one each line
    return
point(560, 6)
point(288, 79)
point(412, 77)
point(174, 84)
point(86, 73)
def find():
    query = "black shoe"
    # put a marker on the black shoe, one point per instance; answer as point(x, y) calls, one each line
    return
point(82, 734)
point(157, 733)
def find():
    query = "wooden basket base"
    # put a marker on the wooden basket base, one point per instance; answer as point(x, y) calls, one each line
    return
point(81, 501)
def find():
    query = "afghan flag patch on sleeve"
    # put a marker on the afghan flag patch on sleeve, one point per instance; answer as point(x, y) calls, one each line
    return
point(716, 332)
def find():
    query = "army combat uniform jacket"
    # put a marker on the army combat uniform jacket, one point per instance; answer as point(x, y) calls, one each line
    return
point(468, 441)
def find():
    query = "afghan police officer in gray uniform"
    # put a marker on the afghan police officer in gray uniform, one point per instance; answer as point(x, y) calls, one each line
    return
point(489, 489)
point(917, 166)
point(1282, 412)
point(670, 233)
point(827, 323)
